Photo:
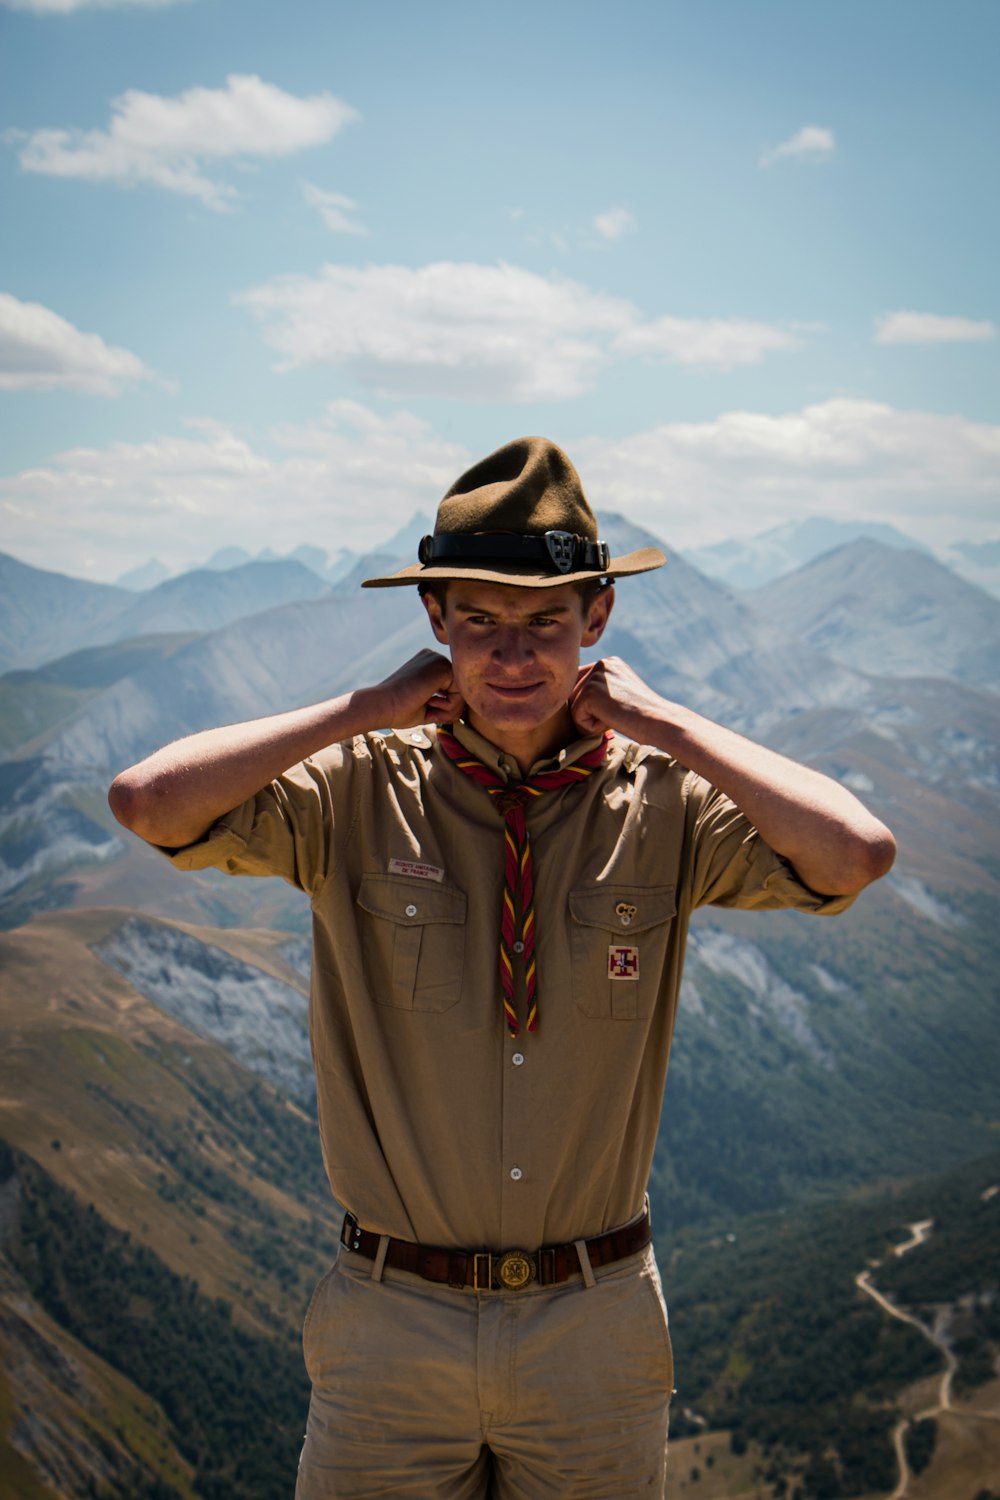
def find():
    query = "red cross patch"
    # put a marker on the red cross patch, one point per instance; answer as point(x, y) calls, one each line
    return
point(623, 963)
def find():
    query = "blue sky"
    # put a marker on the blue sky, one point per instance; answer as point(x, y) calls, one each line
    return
point(271, 275)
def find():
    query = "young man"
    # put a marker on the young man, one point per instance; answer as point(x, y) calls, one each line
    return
point(500, 912)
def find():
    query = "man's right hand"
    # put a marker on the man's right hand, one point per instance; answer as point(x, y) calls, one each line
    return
point(421, 691)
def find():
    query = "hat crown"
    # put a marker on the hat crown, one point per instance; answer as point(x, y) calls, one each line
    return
point(527, 487)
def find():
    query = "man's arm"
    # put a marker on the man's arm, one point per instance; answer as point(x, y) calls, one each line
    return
point(176, 794)
point(834, 844)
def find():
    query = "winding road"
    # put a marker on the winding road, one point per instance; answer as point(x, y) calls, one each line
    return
point(919, 1232)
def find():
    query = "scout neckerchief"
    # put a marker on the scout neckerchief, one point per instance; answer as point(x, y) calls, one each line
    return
point(519, 882)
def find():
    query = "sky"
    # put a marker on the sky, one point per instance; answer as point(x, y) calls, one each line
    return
point(274, 275)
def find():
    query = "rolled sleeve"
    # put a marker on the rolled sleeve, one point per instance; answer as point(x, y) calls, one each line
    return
point(287, 829)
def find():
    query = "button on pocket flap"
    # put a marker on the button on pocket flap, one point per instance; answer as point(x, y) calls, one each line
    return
point(623, 908)
point(411, 902)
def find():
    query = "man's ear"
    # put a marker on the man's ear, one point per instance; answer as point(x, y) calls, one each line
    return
point(598, 615)
point(435, 614)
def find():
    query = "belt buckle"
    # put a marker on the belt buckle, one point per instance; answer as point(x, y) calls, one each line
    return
point(516, 1270)
point(485, 1285)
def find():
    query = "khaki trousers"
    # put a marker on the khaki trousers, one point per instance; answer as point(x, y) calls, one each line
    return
point(431, 1393)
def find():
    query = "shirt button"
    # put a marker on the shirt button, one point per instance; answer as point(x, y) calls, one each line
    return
point(411, 910)
point(626, 921)
point(517, 1059)
point(516, 1174)
point(518, 947)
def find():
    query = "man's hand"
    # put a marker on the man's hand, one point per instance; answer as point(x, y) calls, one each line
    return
point(609, 695)
point(421, 691)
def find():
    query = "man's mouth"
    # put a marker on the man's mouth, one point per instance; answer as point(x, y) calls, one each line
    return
point(514, 690)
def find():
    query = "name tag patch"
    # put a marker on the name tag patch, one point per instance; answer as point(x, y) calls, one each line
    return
point(623, 963)
point(418, 871)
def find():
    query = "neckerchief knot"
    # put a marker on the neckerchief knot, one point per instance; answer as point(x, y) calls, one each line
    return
point(517, 921)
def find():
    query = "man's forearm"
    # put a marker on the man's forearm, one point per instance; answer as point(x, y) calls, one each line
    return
point(173, 796)
point(176, 794)
point(834, 843)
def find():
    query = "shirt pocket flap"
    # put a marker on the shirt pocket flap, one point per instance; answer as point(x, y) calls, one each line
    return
point(627, 908)
point(411, 902)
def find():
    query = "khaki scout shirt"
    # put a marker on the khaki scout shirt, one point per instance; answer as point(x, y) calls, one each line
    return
point(436, 1125)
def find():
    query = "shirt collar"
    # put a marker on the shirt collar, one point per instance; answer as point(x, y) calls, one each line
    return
point(505, 765)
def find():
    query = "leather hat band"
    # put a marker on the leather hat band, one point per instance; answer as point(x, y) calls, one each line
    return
point(558, 551)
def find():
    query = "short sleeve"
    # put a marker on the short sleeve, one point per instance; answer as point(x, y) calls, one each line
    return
point(733, 866)
point(288, 828)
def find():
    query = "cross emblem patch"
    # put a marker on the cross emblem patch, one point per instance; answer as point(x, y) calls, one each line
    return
point(623, 963)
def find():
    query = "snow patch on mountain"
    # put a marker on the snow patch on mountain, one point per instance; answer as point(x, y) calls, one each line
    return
point(262, 1022)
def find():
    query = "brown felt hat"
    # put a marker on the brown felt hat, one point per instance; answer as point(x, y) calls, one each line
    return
point(519, 516)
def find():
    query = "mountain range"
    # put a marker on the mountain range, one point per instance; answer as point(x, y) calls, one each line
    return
point(145, 1014)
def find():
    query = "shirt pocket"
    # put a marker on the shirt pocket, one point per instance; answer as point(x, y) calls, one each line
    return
point(413, 942)
point(618, 946)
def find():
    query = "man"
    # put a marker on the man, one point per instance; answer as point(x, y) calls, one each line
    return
point(500, 911)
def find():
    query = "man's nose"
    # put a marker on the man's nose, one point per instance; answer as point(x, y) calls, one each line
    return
point(512, 645)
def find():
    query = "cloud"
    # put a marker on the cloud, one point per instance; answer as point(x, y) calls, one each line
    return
point(930, 328)
point(493, 333)
point(713, 343)
point(699, 482)
point(334, 209)
point(40, 351)
point(811, 143)
point(169, 141)
point(486, 333)
point(352, 476)
point(347, 479)
point(615, 223)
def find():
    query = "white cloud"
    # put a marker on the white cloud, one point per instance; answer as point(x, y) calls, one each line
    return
point(716, 343)
point(40, 351)
point(351, 476)
point(168, 141)
point(699, 482)
point(495, 333)
point(334, 209)
point(811, 143)
point(931, 328)
point(487, 333)
point(347, 479)
point(615, 223)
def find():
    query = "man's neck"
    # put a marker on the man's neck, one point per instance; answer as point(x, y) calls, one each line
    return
point(531, 744)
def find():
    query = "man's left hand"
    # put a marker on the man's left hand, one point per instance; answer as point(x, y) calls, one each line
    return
point(609, 695)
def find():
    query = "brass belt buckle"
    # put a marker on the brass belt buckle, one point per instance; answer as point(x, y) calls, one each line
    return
point(516, 1270)
point(482, 1282)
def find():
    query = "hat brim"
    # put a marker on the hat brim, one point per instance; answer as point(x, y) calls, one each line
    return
point(644, 560)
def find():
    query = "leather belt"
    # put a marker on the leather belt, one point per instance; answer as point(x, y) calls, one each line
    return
point(498, 1271)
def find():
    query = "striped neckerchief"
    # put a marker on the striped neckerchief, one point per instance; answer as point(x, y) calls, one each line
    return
point(511, 801)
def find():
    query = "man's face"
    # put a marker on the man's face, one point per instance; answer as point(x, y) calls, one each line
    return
point(515, 652)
